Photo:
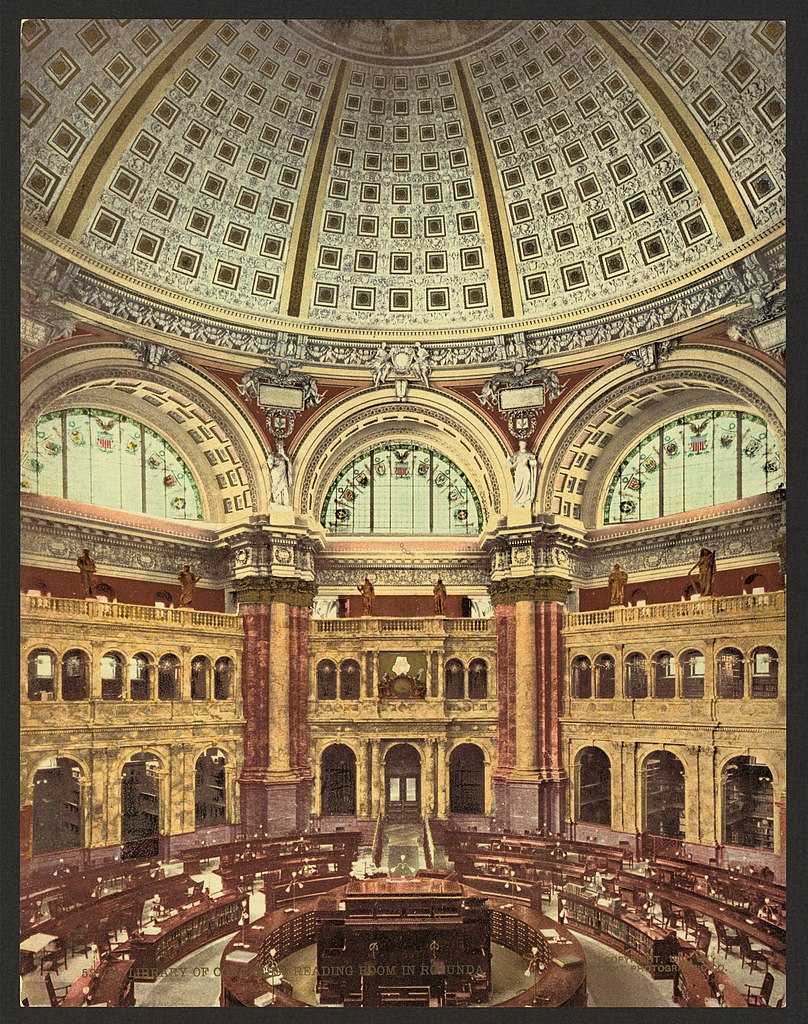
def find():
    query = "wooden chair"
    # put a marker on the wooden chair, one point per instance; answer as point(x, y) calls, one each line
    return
point(78, 942)
point(752, 954)
point(670, 917)
point(52, 956)
point(690, 923)
point(55, 992)
point(728, 938)
point(760, 996)
point(703, 940)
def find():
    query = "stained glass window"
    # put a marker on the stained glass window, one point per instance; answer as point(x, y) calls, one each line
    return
point(702, 459)
point(402, 489)
point(105, 458)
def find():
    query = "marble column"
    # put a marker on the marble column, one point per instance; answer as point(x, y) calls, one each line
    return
point(279, 763)
point(442, 779)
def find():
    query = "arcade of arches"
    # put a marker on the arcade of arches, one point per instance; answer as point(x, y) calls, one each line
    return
point(407, 366)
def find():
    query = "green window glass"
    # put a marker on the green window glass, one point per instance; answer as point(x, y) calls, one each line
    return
point(702, 459)
point(104, 458)
point(402, 489)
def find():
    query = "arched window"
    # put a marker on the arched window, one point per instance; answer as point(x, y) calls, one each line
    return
point(691, 665)
point(163, 599)
point(112, 671)
point(636, 676)
point(57, 811)
point(748, 804)
point(581, 676)
point(326, 680)
point(764, 672)
point(604, 676)
point(140, 677)
point(75, 676)
point(664, 674)
point(663, 781)
point(209, 795)
point(105, 458)
point(200, 672)
point(402, 488)
point(702, 459)
point(338, 780)
point(223, 679)
point(39, 588)
point(140, 806)
point(638, 598)
point(41, 674)
point(478, 679)
point(593, 787)
point(168, 678)
point(453, 677)
point(467, 780)
point(729, 674)
point(755, 584)
point(349, 680)
point(103, 592)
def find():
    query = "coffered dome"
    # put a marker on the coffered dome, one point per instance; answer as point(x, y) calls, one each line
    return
point(439, 179)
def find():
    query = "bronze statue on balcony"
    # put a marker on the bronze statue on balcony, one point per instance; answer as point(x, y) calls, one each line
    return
point(617, 585)
point(706, 566)
point(439, 592)
point(188, 581)
point(86, 571)
point(368, 593)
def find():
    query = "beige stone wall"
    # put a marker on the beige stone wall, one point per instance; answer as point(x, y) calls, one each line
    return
point(370, 726)
point(703, 733)
point(101, 735)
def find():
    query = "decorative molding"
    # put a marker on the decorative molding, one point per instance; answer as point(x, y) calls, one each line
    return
point(265, 590)
point(648, 357)
point(150, 354)
point(416, 572)
point(46, 543)
point(529, 588)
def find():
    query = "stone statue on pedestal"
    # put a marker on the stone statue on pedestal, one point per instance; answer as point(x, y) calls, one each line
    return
point(367, 592)
point(617, 585)
point(188, 581)
point(86, 571)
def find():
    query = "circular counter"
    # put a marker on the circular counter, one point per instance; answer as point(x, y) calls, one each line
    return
point(248, 966)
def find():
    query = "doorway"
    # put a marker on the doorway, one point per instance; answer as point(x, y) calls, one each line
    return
point(402, 783)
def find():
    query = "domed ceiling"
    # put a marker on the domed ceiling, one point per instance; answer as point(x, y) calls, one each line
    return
point(443, 177)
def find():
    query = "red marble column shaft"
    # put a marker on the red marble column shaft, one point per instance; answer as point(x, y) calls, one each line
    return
point(506, 686)
point(255, 686)
point(550, 669)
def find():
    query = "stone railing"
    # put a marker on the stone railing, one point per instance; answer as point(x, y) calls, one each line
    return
point(703, 609)
point(371, 626)
point(141, 614)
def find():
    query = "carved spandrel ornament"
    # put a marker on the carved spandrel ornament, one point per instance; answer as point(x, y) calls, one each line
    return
point(402, 365)
point(648, 357)
point(151, 354)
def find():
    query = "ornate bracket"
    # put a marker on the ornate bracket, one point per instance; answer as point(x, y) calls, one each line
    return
point(648, 357)
point(283, 392)
point(403, 364)
point(150, 354)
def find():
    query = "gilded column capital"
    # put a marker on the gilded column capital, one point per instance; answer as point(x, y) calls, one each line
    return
point(267, 589)
point(529, 588)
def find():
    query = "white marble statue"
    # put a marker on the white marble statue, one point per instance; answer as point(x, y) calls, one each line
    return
point(382, 365)
point(525, 468)
point(280, 472)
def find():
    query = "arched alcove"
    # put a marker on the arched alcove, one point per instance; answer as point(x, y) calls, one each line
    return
point(467, 780)
point(593, 787)
point(57, 810)
point(663, 794)
point(338, 780)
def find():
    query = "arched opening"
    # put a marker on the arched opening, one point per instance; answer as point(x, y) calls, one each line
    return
point(210, 796)
point(39, 588)
point(103, 592)
point(691, 665)
point(664, 674)
point(349, 680)
point(57, 806)
point(41, 674)
point(748, 804)
point(636, 676)
point(755, 584)
point(663, 788)
point(593, 787)
point(75, 676)
point(453, 676)
point(168, 677)
point(140, 677)
point(402, 783)
point(223, 679)
point(638, 598)
point(478, 679)
point(581, 676)
point(729, 674)
point(764, 672)
point(604, 675)
point(140, 806)
point(163, 599)
point(326, 680)
point(338, 780)
point(112, 670)
point(467, 780)
point(200, 672)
